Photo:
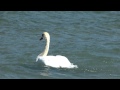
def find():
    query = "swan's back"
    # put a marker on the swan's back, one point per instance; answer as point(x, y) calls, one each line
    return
point(56, 61)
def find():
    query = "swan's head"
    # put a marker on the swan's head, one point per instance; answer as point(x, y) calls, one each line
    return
point(45, 35)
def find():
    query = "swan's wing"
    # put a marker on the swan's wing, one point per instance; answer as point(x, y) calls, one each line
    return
point(51, 61)
point(64, 61)
point(56, 61)
point(48, 60)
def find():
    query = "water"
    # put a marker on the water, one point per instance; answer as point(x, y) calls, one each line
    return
point(88, 39)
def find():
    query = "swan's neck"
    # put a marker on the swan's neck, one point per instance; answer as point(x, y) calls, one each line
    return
point(45, 52)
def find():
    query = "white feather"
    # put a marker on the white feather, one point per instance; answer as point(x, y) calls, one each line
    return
point(57, 61)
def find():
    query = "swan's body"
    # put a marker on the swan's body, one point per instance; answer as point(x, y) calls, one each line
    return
point(57, 61)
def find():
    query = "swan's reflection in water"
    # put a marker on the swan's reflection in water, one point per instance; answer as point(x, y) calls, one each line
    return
point(45, 72)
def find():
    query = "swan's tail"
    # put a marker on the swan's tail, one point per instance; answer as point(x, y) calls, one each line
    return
point(73, 66)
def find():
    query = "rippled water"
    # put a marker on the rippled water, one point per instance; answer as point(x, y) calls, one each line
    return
point(88, 39)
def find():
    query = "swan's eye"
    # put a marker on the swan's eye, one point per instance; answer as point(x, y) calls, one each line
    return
point(42, 37)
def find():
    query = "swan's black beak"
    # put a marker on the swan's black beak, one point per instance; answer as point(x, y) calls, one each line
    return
point(42, 37)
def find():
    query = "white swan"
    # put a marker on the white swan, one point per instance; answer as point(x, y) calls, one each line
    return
point(57, 61)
